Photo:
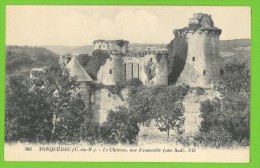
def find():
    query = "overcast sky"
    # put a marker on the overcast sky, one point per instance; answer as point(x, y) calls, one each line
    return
point(80, 25)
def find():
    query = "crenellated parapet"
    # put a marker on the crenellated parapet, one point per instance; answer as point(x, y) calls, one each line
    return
point(200, 23)
point(209, 31)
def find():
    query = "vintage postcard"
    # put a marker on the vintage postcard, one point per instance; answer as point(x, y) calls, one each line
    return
point(127, 83)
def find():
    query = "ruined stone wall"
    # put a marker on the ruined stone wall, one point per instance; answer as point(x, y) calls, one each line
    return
point(154, 72)
point(111, 45)
point(192, 105)
point(147, 69)
point(131, 68)
point(104, 101)
point(119, 69)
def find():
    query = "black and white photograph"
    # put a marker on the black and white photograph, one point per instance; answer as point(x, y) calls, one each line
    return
point(127, 83)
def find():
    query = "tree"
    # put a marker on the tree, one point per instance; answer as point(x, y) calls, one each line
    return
point(229, 115)
point(140, 102)
point(171, 119)
point(236, 79)
point(161, 103)
point(213, 128)
point(210, 112)
point(39, 114)
point(235, 89)
point(120, 127)
point(236, 118)
point(168, 110)
point(67, 110)
point(83, 59)
point(97, 59)
point(27, 117)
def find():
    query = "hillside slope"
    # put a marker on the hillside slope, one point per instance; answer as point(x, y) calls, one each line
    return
point(20, 59)
point(236, 51)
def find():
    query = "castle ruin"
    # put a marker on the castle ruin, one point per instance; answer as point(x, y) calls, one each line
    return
point(196, 49)
point(192, 58)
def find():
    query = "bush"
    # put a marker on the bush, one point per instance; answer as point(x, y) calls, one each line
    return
point(228, 116)
point(90, 132)
point(119, 127)
point(236, 79)
point(69, 132)
point(200, 91)
point(134, 82)
point(215, 137)
point(186, 140)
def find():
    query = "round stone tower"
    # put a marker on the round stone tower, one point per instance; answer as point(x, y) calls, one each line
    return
point(203, 65)
point(111, 72)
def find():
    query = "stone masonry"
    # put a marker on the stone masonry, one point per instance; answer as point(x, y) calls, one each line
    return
point(192, 58)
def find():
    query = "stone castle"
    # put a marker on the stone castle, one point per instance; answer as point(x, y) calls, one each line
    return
point(191, 58)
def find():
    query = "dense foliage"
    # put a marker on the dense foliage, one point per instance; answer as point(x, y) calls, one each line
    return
point(161, 103)
point(97, 59)
point(120, 126)
point(118, 87)
point(91, 132)
point(200, 90)
point(83, 59)
point(226, 120)
point(27, 117)
point(43, 109)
